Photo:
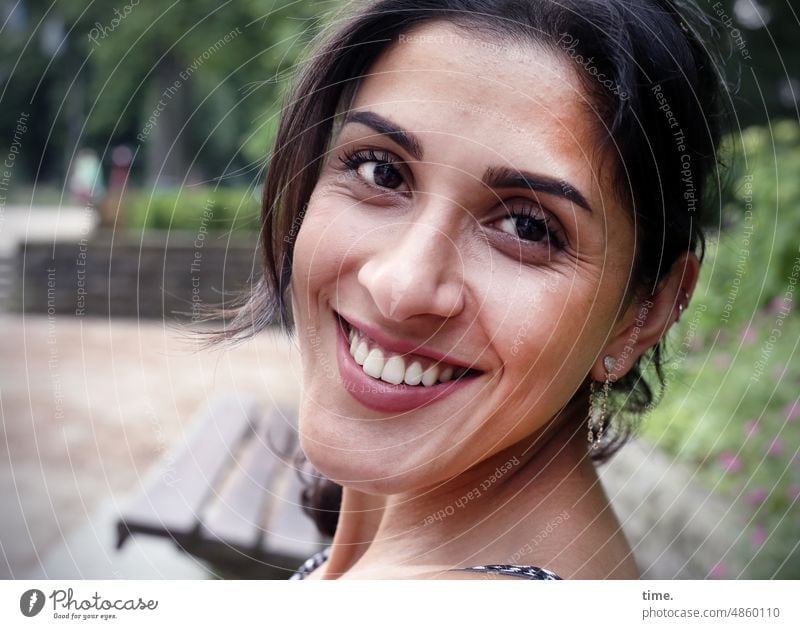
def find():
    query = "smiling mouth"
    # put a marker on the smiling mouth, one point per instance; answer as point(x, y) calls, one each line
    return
point(395, 368)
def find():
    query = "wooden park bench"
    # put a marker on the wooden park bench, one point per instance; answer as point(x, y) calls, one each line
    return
point(229, 494)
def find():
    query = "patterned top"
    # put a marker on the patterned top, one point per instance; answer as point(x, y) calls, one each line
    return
point(524, 572)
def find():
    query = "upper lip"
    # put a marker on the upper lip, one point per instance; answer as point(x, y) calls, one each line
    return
point(403, 347)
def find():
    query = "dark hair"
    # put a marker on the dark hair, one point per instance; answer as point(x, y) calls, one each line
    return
point(654, 89)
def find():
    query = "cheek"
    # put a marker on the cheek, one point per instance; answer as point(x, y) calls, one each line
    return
point(549, 333)
point(536, 307)
point(319, 249)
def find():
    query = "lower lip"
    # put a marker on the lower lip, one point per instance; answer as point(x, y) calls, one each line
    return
point(382, 396)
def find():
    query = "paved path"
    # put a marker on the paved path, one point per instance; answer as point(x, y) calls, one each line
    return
point(87, 407)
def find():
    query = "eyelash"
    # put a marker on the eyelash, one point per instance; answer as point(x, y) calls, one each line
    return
point(357, 158)
point(352, 161)
point(541, 219)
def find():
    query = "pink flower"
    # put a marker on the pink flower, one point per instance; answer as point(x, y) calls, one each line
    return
point(756, 496)
point(792, 410)
point(729, 462)
point(748, 335)
point(775, 448)
point(751, 427)
point(722, 361)
point(793, 493)
point(758, 536)
point(779, 304)
point(718, 571)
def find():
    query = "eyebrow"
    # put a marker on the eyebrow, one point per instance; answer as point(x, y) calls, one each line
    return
point(494, 177)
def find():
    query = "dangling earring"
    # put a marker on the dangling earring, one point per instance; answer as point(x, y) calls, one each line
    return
point(608, 365)
point(682, 306)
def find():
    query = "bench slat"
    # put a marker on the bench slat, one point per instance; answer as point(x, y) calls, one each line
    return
point(174, 495)
point(234, 514)
point(237, 512)
point(230, 495)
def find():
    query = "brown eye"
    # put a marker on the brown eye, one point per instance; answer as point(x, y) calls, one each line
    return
point(530, 223)
point(376, 169)
point(526, 228)
point(381, 174)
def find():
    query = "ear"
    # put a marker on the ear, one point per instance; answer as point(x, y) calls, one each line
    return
point(648, 319)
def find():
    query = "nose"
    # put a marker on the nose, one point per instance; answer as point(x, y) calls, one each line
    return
point(415, 269)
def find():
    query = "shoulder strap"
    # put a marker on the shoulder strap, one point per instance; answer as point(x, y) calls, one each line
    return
point(524, 572)
point(311, 564)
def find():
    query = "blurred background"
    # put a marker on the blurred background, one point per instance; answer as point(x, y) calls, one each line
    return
point(134, 139)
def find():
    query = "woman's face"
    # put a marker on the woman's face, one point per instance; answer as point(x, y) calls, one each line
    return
point(460, 218)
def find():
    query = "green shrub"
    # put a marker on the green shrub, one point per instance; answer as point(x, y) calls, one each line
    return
point(732, 405)
point(193, 209)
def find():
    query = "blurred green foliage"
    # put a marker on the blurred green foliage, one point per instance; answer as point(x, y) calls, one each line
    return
point(195, 208)
point(92, 74)
point(732, 405)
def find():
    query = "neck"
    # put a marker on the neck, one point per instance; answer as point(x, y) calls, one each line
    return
point(483, 515)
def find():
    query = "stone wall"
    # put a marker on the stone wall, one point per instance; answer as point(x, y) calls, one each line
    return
point(152, 275)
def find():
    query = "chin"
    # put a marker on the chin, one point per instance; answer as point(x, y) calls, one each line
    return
point(376, 472)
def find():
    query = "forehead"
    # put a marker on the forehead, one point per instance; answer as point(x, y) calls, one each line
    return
point(520, 101)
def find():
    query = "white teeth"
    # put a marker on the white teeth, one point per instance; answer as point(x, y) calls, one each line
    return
point(360, 355)
point(430, 375)
point(413, 374)
point(394, 370)
point(373, 364)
